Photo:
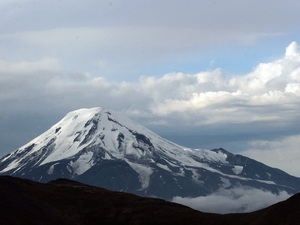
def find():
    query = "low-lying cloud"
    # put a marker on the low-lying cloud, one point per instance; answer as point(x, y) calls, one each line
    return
point(235, 200)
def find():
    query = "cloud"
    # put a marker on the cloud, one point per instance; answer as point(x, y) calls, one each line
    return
point(292, 50)
point(281, 153)
point(270, 93)
point(274, 84)
point(121, 45)
point(229, 15)
point(235, 200)
point(25, 67)
point(128, 35)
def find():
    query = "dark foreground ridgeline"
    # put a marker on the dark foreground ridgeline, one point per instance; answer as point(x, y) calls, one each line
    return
point(68, 202)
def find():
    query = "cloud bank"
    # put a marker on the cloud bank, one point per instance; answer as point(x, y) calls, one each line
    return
point(270, 93)
point(235, 200)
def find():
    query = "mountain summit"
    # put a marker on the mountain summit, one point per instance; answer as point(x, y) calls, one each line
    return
point(104, 148)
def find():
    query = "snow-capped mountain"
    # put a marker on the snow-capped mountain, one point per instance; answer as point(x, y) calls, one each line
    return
point(102, 147)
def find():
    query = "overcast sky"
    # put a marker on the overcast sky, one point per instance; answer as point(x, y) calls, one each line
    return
point(204, 74)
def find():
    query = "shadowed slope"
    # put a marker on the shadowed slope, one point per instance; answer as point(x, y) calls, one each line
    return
point(68, 202)
point(282, 213)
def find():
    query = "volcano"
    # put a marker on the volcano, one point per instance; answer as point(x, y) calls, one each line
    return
point(103, 148)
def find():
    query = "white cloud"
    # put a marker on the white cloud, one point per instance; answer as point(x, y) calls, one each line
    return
point(270, 85)
point(293, 88)
point(235, 200)
point(292, 50)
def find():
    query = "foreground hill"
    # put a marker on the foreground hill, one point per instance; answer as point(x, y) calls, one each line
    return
point(68, 202)
point(103, 148)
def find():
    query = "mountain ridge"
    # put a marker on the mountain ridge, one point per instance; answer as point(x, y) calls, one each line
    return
point(64, 201)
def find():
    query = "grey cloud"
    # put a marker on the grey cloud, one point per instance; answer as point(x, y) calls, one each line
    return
point(251, 15)
point(282, 152)
point(128, 34)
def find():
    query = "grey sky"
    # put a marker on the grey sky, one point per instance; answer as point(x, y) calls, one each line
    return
point(204, 74)
point(122, 40)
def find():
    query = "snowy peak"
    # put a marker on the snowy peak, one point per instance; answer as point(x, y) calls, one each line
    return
point(87, 127)
point(86, 137)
